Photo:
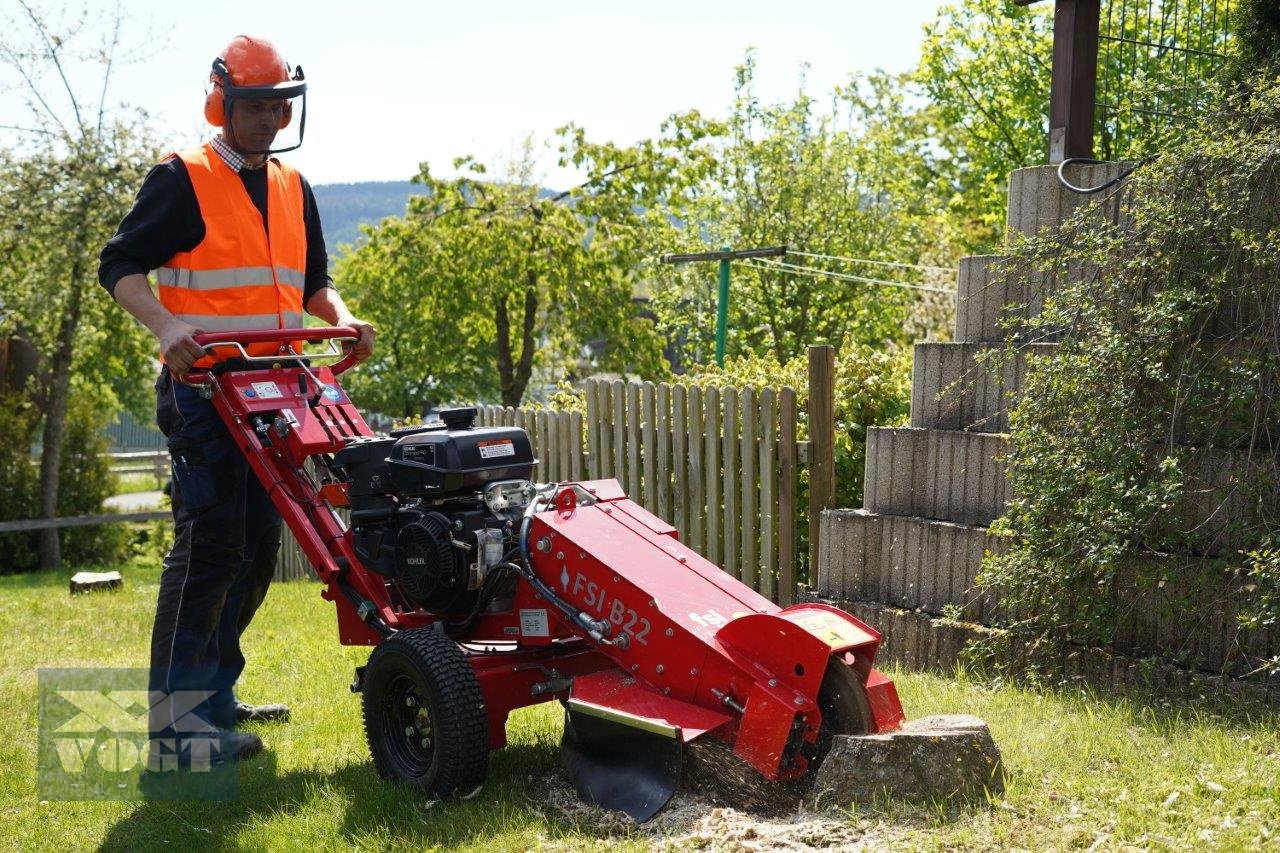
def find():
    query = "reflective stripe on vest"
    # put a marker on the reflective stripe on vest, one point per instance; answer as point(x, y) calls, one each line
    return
point(241, 275)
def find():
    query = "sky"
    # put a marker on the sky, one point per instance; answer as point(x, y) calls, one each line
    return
point(393, 84)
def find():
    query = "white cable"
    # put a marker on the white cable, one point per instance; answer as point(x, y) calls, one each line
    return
point(871, 262)
point(814, 272)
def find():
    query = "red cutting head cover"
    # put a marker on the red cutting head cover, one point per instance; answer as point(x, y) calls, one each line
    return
point(252, 67)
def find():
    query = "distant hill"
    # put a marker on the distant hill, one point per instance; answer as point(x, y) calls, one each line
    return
point(345, 207)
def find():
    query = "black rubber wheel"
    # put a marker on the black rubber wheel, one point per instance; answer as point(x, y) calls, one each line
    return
point(842, 699)
point(424, 715)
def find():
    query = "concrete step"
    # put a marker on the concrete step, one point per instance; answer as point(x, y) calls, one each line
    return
point(950, 476)
point(1192, 616)
point(950, 390)
point(920, 641)
point(917, 563)
point(1038, 201)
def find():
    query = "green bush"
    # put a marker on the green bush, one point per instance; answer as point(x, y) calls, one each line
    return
point(85, 482)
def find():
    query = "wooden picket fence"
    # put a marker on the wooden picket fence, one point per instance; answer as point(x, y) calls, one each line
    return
point(719, 464)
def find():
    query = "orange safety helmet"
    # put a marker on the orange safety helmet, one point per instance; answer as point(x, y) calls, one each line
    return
point(252, 69)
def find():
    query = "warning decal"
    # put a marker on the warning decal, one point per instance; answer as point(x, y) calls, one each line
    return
point(501, 447)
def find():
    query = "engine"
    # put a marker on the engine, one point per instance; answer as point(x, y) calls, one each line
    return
point(436, 509)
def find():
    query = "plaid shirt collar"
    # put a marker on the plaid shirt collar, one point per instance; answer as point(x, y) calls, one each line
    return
point(230, 156)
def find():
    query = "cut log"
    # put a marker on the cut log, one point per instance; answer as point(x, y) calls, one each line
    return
point(90, 581)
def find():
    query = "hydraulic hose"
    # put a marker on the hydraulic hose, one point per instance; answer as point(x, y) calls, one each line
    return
point(1089, 161)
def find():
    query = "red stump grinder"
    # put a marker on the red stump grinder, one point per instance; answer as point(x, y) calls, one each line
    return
point(482, 592)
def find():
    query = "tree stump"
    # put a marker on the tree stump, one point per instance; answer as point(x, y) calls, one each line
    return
point(940, 756)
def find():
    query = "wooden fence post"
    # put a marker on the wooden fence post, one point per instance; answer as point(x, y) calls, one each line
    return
point(787, 498)
point(822, 442)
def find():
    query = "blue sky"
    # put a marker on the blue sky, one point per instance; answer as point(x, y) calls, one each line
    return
point(395, 83)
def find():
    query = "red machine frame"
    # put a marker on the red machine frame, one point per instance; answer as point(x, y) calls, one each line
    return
point(684, 647)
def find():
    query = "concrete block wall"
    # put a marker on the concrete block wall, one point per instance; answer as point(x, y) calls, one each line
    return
point(931, 489)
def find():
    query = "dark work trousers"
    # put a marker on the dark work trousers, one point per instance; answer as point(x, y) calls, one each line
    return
point(226, 536)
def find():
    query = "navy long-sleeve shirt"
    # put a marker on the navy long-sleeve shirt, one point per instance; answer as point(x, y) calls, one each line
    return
point(166, 220)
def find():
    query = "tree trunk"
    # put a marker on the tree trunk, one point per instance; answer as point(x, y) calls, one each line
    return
point(55, 418)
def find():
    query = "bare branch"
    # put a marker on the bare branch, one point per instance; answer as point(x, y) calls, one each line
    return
point(110, 53)
point(57, 63)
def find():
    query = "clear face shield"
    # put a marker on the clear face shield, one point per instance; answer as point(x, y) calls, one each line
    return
point(266, 120)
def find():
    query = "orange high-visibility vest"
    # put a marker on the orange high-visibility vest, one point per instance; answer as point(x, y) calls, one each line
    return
point(238, 277)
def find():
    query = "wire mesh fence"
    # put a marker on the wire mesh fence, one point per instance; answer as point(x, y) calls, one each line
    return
point(1155, 61)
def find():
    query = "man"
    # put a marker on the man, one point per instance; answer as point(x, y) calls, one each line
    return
point(235, 239)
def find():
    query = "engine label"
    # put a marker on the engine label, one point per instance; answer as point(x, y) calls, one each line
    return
point(267, 390)
point(533, 623)
point(492, 449)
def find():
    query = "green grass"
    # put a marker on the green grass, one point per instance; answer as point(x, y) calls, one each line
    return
point(1083, 769)
point(132, 483)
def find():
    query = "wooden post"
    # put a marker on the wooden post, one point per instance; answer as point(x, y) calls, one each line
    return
point(748, 520)
point(697, 501)
point(711, 476)
point(1075, 79)
point(618, 399)
point(729, 461)
point(648, 442)
point(593, 429)
point(768, 474)
point(662, 415)
point(679, 463)
point(787, 498)
point(822, 442)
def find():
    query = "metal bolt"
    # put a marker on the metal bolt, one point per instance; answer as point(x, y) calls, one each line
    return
point(634, 667)
point(408, 731)
point(670, 633)
point(682, 558)
point(410, 701)
point(559, 555)
point(582, 555)
point(773, 682)
point(617, 579)
point(693, 671)
point(426, 743)
point(661, 669)
point(653, 603)
point(666, 691)
point(608, 510)
point(544, 544)
point(799, 700)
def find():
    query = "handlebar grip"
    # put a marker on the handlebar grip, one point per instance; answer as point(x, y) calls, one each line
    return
point(269, 336)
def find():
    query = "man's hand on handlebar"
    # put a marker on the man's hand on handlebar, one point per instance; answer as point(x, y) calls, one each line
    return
point(362, 348)
point(177, 342)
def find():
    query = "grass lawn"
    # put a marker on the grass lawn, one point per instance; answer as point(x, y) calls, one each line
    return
point(1086, 771)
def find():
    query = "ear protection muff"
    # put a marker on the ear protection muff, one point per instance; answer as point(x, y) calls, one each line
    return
point(215, 100)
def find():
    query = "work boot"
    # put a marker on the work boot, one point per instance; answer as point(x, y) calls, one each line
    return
point(246, 713)
point(201, 750)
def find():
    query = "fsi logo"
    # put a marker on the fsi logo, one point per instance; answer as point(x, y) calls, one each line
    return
point(95, 739)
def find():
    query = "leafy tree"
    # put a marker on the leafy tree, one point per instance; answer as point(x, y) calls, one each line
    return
point(844, 180)
point(61, 195)
point(482, 281)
